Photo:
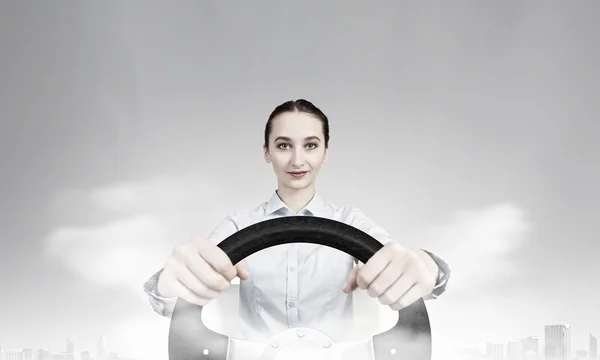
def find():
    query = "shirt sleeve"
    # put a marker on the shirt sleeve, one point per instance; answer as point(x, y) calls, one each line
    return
point(358, 219)
point(164, 306)
point(443, 276)
point(161, 305)
point(225, 229)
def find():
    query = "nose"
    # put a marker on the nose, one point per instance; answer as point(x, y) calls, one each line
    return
point(298, 158)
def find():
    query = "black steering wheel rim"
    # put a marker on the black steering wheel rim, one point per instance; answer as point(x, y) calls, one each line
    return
point(189, 338)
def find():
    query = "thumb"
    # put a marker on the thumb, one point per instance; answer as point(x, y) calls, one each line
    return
point(242, 269)
point(351, 283)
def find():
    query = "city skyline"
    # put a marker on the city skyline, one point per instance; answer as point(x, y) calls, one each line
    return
point(535, 345)
point(530, 348)
point(70, 352)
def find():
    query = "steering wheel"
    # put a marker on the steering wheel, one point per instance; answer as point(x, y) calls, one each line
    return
point(190, 339)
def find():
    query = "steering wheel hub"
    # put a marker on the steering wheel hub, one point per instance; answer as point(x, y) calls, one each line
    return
point(299, 342)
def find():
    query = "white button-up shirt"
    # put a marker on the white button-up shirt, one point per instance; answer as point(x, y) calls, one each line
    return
point(294, 285)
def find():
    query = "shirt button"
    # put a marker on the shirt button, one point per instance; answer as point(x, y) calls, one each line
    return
point(292, 268)
point(292, 304)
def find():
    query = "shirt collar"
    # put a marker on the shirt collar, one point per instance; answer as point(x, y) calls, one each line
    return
point(316, 206)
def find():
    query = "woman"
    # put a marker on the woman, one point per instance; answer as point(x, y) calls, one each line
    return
point(303, 284)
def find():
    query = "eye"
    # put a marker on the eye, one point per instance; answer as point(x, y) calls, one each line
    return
point(284, 146)
point(311, 146)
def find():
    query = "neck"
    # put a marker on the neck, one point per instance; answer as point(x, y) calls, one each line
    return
point(295, 199)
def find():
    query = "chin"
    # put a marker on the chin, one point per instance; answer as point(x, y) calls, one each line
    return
point(298, 185)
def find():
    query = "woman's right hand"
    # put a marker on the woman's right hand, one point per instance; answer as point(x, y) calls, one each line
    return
point(198, 271)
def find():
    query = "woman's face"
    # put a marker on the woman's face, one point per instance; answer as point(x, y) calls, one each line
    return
point(296, 149)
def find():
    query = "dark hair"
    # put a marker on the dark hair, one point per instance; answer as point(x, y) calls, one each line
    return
point(299, 105)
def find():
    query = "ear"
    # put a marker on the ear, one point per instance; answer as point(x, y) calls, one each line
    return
point(266, 154)
point(325, 156)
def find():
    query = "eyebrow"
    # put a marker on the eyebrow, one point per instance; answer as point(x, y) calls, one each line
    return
point(308, 138)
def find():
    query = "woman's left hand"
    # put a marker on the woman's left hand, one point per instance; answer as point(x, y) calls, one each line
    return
point(396, 275)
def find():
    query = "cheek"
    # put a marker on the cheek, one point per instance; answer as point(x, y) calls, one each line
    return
point(279, 161)
point(317, 156)
point(315, 161)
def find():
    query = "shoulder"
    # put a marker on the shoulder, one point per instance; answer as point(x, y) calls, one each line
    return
point(351, 215)
point(237, 220)
point(242, 217)
point(346, 214)
point(356, 217)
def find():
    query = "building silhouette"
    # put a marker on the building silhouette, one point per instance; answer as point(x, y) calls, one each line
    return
point(557, 342)
point(531, 348)
point(514, 350)
point(44, 354)
point(531, 344)
point(101, 348)
point(27, 354)
point(69, 354)
point(593, 350)
point(12, 355)
point(495, 351)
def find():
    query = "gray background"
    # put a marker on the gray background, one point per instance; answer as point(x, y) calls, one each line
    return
point(468, 128)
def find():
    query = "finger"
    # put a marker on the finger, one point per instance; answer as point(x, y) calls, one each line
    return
point(398, 289)
point(412, 295)
point(204, 272)
point(373, 267)
point(216, 258)
point(186, 294)
point(351, 284)
point(190, 281)
point(389, 275)
point(242, 269)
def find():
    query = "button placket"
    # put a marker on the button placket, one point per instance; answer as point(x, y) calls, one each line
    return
point(292, 286)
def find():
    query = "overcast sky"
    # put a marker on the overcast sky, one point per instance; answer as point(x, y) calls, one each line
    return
point(468, 130)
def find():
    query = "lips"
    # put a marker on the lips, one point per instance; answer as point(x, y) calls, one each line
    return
point(298, 174)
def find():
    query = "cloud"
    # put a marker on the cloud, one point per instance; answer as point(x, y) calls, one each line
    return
point(118, 253)
point(161, 195)
point(478, 243)
point(146, 220)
